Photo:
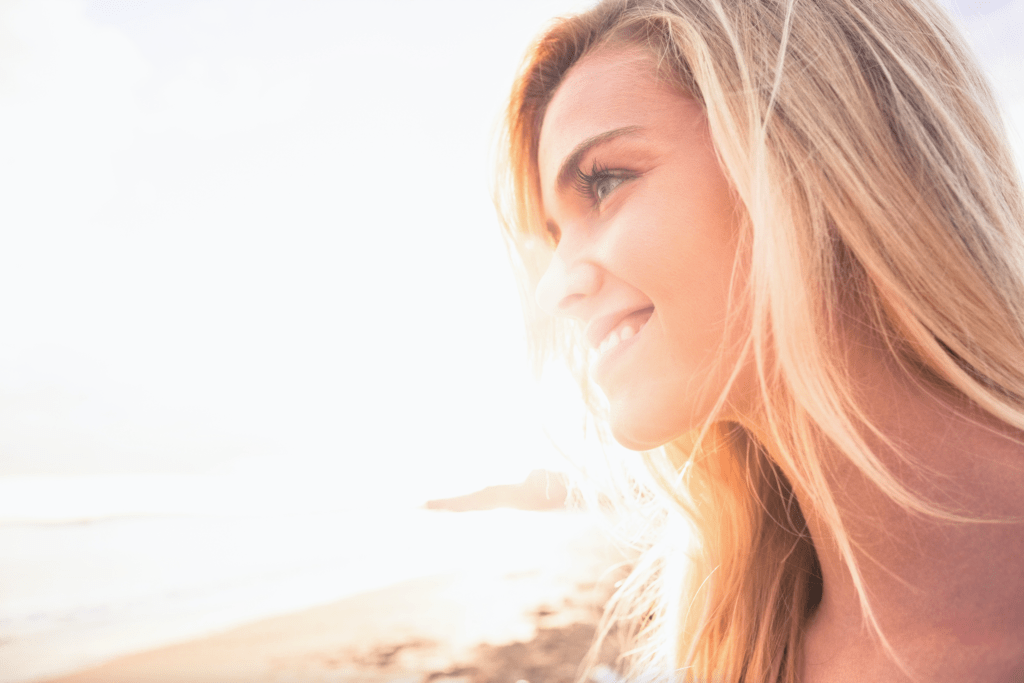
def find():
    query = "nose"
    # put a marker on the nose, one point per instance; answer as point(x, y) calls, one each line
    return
point(565, 285)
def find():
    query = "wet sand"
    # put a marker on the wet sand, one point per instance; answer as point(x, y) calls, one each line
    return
point(535, 625)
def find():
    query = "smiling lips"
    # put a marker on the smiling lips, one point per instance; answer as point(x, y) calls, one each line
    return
point(609, 331)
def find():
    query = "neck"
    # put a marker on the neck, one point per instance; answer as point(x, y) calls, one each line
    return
point(948, 596)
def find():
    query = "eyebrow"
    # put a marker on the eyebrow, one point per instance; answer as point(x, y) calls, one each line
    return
point(572, 162)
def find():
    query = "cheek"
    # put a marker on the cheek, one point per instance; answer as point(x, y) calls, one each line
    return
point(683, 260)
point(682, 255)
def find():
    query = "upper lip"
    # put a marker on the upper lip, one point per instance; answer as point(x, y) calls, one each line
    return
point(598, 328)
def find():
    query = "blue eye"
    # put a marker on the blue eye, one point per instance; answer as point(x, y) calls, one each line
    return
point(600, 182)
point(602, 187)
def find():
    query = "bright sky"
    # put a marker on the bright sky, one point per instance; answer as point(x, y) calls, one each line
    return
point(260, 231)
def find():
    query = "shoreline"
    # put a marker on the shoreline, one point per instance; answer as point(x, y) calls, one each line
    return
point(471, 626)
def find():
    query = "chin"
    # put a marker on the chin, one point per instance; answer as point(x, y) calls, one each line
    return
point(642, 434)
point(633, 443)
point(643, 425)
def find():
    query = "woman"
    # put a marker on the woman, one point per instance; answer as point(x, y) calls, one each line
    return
point(786, 238)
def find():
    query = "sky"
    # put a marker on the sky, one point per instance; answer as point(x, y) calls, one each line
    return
point(259, 234)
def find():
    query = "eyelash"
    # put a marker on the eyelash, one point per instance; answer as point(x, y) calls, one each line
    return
point(586, 183)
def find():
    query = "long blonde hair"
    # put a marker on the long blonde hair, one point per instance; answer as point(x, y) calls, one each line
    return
point(870, 158)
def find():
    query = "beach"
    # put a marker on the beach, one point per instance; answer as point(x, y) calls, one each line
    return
point(533, 619)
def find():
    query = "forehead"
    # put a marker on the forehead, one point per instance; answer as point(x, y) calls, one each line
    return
point(608, 89)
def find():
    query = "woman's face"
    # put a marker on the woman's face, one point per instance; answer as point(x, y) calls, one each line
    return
point(647, 229)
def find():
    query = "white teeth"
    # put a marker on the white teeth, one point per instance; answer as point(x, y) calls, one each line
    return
point(617, 337)
point(610, 342)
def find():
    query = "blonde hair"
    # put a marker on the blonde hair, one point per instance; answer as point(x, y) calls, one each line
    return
point(870, 158)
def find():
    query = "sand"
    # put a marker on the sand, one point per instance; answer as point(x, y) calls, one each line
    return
point(534, 625)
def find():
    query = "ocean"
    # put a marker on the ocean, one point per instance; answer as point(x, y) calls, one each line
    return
point(79, 590)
